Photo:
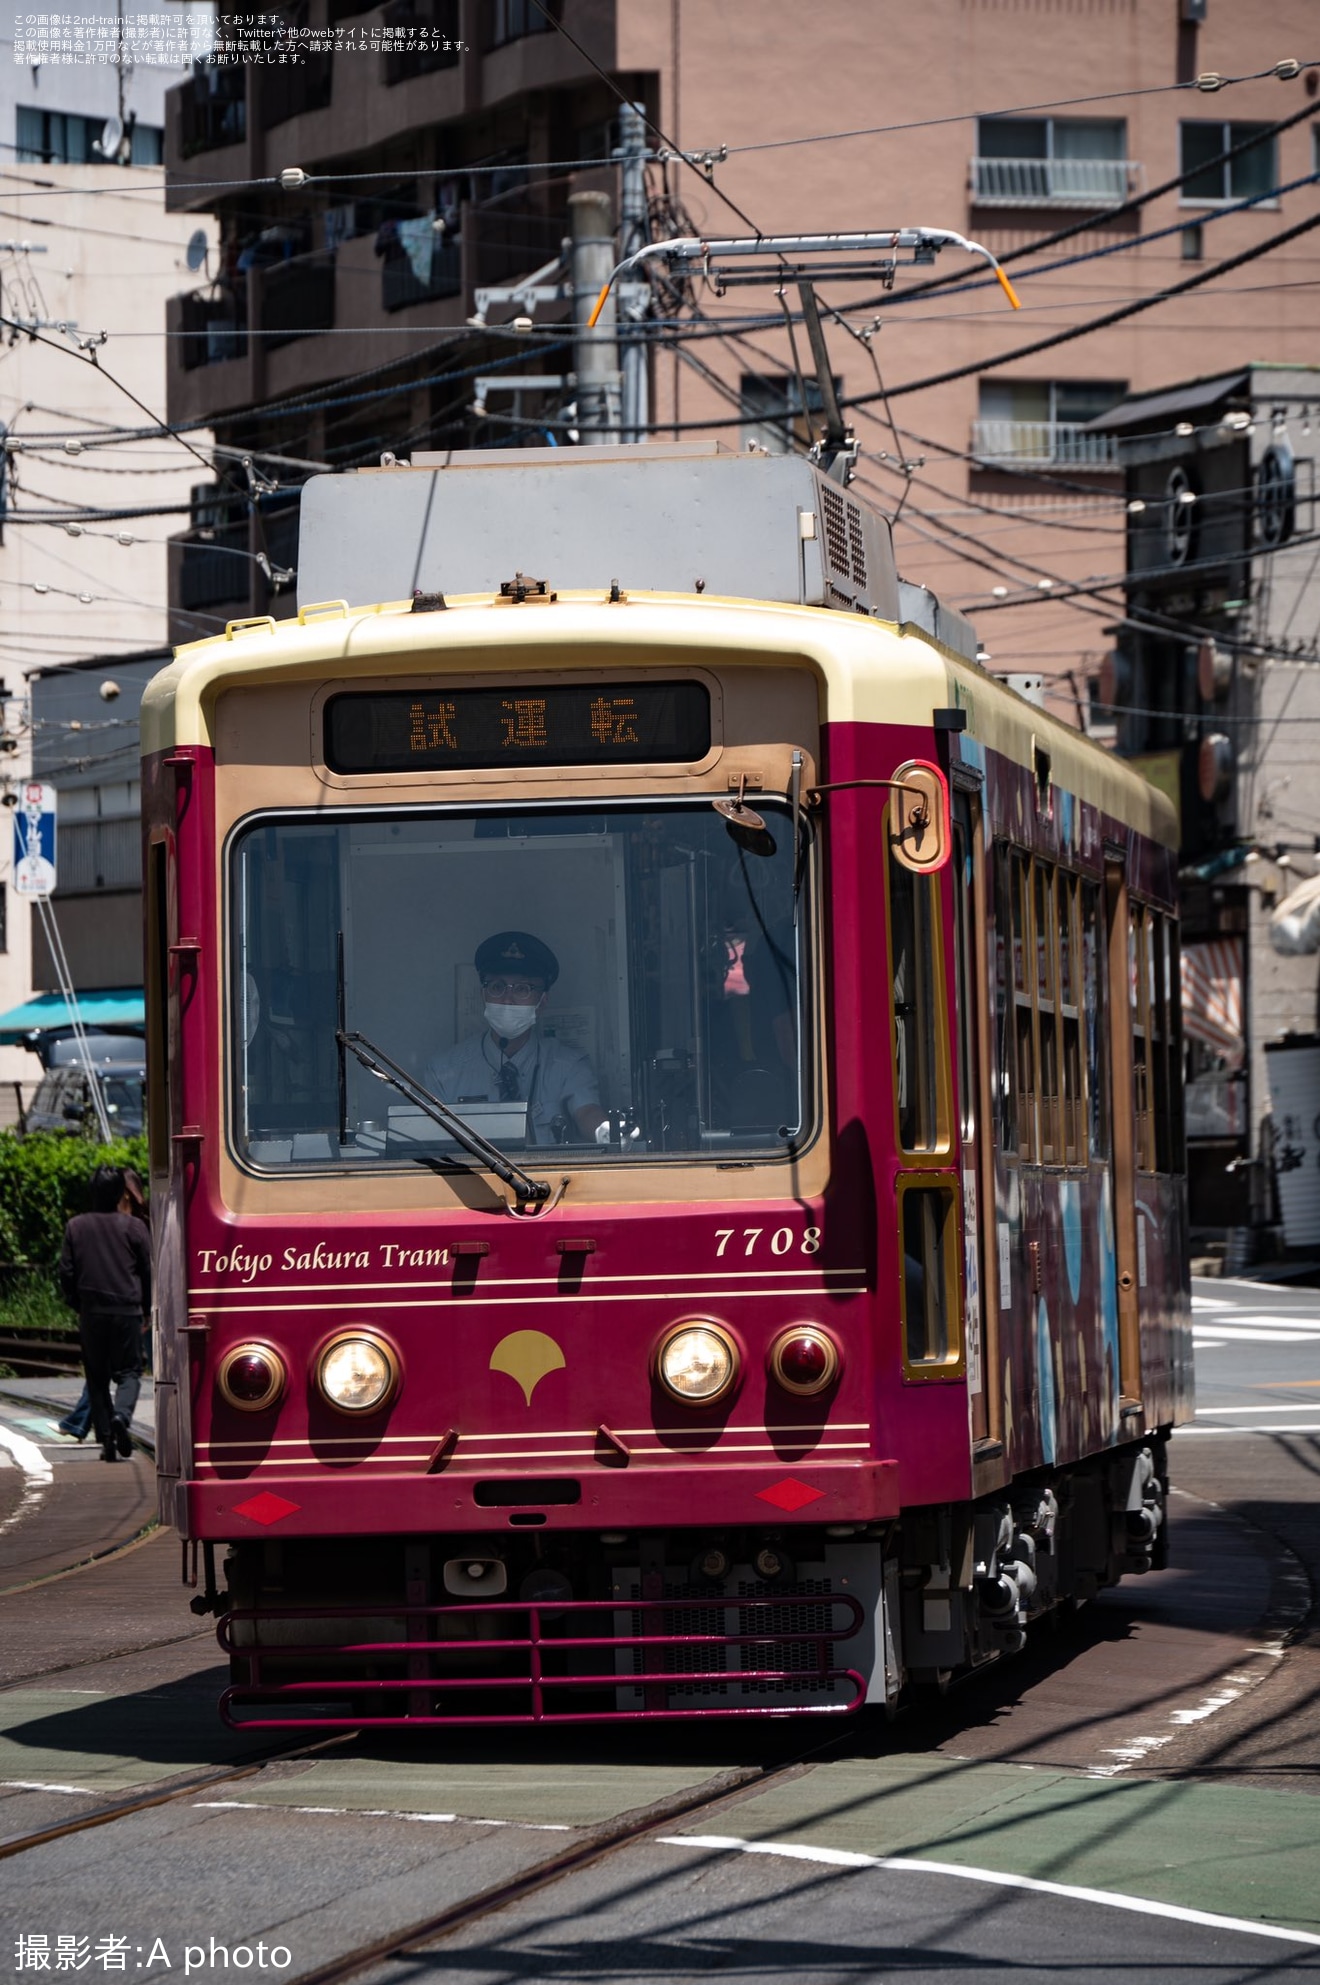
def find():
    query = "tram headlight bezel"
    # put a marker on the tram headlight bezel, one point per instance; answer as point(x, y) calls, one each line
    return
point(812, 1388)
point(665, 1364)
point(383, 1349)
point(279, 1370)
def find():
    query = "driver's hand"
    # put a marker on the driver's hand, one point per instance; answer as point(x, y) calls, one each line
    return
point(603, 1133)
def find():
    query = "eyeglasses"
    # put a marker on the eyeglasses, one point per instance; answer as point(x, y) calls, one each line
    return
point(518, 990)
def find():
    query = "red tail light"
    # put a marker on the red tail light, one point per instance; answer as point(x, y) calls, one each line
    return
point(804, 1359)
point(251, 1377)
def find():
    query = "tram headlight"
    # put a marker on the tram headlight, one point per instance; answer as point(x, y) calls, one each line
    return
point(357, 1372)
point(251, 1377)
point(697, 1363)
point(804, 1359)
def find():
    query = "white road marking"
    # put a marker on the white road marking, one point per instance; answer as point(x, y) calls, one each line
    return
point(26, 1453)
point(34, 1785)
point(1286, 1406)
point(374, 1813)
point(1252, 1433)
point(1231, 1333)
point(837, 1857)
point(1200, 1303)
point(1210, 1705)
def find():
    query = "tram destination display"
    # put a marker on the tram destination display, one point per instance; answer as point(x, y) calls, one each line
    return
point(444, 730)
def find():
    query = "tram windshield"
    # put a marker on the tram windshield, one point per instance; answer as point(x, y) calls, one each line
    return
point(626, 980)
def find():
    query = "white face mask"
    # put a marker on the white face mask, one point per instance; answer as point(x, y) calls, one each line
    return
point(509, 1021)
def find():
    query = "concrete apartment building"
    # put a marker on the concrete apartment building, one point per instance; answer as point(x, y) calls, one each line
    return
point(86, 247)
point(356, 287)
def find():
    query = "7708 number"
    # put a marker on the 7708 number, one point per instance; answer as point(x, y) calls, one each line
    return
point(782, 1240)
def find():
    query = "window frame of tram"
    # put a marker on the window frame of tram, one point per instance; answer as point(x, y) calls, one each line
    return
point(1155, 997)
point(932, 1308)
point(931, 1321)
point(923, 1126)
point(1048, 1087)
point(314, 854)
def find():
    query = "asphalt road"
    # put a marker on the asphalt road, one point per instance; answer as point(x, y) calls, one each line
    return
point(1137, 1790)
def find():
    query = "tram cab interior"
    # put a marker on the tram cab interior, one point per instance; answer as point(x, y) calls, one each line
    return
point(680, 940)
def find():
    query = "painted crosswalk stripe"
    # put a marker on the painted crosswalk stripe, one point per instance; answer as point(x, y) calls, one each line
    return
point(1230, 1332)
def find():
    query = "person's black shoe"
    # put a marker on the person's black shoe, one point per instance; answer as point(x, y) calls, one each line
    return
point(108, 1451)
point(122, 1438)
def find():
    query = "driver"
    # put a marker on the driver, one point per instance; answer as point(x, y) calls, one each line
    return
point(510, 1060)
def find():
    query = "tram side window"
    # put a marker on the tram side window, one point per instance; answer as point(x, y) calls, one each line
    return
point(1140, 986)
point(1006, 1128)
point(930, 1279)
point(912, 907)
point(1165, 1047)
point(284, 1046)
point(1095, 1004)
point(158, 1018)
point(1051, 1142)
point(1024, 1037)
point(1074, 1092)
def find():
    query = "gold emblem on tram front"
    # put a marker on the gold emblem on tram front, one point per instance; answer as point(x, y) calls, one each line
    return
point(527, 1356)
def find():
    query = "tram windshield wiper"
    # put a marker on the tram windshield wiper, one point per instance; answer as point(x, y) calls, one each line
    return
point(378, 1063)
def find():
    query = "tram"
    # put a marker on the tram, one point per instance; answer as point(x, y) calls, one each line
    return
point(665, 1112)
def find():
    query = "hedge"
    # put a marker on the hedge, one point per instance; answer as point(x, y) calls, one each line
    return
point(44, 1180)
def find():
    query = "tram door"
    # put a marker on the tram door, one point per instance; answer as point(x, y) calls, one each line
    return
point(1123, 990)
point(978, 1197)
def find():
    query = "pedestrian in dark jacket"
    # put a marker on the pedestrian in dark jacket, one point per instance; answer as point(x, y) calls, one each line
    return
point(77, 1422)
point(105, 1274)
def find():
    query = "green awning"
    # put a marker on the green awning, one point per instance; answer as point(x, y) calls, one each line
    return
point(120, 1010)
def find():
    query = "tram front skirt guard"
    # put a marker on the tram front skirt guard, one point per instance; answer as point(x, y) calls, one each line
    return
point(526, 1663)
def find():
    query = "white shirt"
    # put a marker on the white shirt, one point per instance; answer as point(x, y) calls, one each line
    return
point(555, 1079)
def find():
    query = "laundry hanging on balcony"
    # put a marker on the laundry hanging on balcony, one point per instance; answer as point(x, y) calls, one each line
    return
point(417, 240)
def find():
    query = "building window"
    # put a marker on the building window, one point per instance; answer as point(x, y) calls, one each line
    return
point(1031, 420)
point(1051, 161)
point(1193, 243)
point(1208, 178)
point(510, 20)
point(60, 137)
point(773, 414)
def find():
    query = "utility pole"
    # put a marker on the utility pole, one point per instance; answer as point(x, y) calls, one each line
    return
point(633, 234)
point(595, 352)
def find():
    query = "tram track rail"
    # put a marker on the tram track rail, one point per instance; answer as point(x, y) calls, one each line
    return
point(724, 1789)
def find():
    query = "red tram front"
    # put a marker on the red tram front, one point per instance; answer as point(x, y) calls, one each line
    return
point(663, 1093)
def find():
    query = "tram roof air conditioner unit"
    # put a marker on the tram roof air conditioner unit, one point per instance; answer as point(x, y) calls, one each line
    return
point(680, 518)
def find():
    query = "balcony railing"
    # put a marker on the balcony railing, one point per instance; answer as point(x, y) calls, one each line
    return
point(430, 38)
point(289, 91)
point(212, 110)
point(510, 244)
point(440, 274)
point(1057, 441)
point(297, 296)
point(1053, 182)
point(214, 327)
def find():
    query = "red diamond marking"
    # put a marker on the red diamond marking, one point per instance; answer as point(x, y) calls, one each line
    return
point(266, 1508)
point(790, 1494)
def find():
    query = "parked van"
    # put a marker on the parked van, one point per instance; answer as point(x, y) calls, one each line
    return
point(63, 1100)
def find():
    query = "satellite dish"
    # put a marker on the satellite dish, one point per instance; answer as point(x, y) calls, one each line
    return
point(111, 138)
point(197, 250)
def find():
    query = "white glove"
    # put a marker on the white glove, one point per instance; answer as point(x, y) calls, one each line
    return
point(603, 1133)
